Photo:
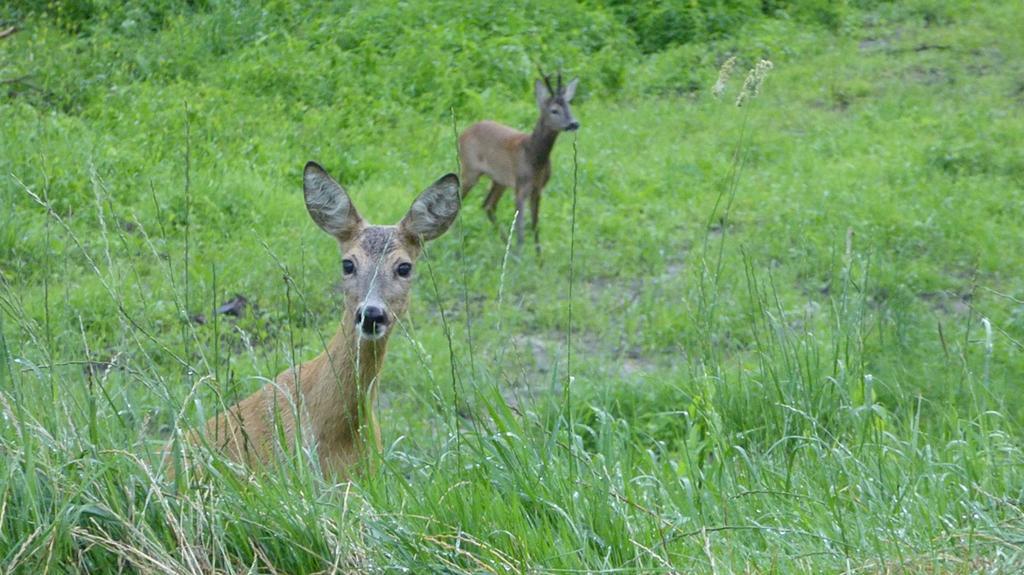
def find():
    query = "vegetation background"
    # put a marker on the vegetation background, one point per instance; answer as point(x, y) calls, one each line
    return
point(794, 337)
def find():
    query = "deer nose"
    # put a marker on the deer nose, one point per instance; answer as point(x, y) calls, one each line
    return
point(573, 126)
point(368, 317)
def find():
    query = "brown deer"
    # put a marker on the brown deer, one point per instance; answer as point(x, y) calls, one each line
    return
point(329, 399)
point(514, 159)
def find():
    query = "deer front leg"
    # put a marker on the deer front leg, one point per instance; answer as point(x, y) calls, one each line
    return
point(535, 219)
point(521, 195)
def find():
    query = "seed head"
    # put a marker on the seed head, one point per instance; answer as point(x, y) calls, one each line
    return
point(752, 84)
point(723, 76)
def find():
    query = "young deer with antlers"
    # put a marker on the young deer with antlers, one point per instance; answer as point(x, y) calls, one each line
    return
point(329, 398)
point(514, 159)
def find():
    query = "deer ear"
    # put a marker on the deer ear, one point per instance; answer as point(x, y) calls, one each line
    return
point(329, 204)
point(541, 92)
point(434, 210)
point(570, 90)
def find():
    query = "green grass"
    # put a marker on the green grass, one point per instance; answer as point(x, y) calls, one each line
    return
point(780, 360)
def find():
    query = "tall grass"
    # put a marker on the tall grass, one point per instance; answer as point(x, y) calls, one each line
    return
point(789, 465)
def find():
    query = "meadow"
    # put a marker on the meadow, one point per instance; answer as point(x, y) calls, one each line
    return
point(782, 337)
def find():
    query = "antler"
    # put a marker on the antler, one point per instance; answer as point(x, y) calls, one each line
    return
point(560, 89)
point(546, 78)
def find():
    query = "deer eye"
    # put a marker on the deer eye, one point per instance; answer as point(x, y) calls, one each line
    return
point(554, 111)
point(404, 269)
point(348, 266)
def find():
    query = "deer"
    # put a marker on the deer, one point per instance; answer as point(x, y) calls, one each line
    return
point(328, 399)
point(513, 159)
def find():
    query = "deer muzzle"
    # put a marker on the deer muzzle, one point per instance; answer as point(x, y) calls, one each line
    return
point(372, 321)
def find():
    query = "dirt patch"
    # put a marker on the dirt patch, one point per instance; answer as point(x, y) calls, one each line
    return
point(537, 355)
point(539, 352)
point(626, 291)
point(928, 75)
point(873, 44)
point(1018, 92)
point(947, 301)
point(534, 364)
point(629, 290)
point(985, 61)
point(879, 43)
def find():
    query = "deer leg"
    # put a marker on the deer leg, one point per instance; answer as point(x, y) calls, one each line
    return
point(491, 203)
point(469, 179)
point(535, 219)
point(520, 216)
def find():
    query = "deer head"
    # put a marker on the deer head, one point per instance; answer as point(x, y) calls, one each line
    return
point(554, 103)
point(378, 262)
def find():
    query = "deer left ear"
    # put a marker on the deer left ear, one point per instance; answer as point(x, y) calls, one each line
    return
point(570, 90)
point(434, 210)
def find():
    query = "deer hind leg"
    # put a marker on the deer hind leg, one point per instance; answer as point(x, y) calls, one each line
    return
point(469, 179)
point(491, 203)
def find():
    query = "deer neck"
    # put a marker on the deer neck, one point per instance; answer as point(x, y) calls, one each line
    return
point(343, 385)
point(540, 143)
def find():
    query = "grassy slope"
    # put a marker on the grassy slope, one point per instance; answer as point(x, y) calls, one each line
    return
point(815, 404)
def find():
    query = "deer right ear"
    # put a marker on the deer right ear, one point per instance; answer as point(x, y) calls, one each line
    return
point(570, 90)
point(329, 204)
point(541, 92)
